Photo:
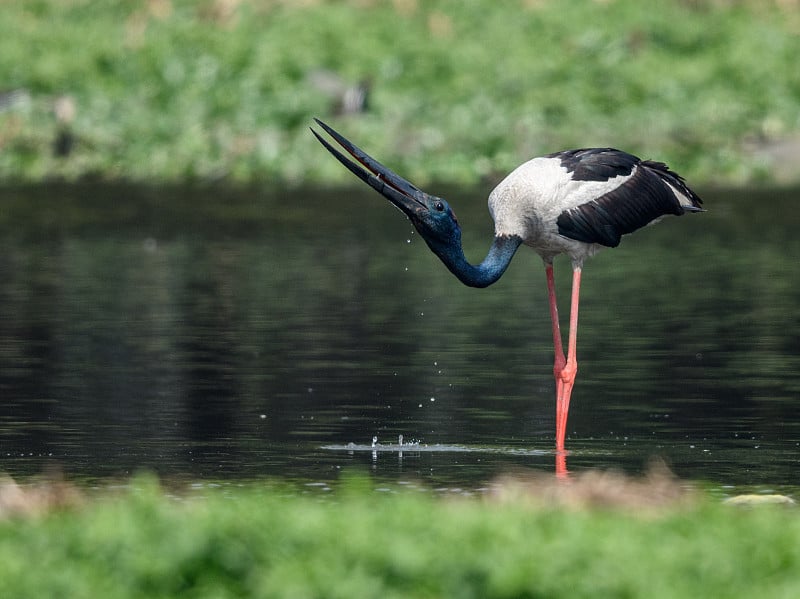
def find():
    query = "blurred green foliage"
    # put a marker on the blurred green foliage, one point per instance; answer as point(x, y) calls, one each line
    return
point(459, 91)
point(255, 541)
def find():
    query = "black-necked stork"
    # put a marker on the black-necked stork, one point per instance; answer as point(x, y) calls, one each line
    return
point(574, 202)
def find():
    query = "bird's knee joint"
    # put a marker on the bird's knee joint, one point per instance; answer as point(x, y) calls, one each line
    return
point(558, 367)
point(568, 372)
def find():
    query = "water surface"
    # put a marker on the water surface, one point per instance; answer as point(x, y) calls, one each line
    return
point(216, 334)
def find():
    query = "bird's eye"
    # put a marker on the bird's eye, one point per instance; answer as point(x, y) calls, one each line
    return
point(439, 206)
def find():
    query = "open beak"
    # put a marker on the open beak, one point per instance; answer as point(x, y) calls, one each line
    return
point(401, 193)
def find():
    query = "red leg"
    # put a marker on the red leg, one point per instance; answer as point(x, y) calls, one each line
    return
point(560, 360)
point(565, 378)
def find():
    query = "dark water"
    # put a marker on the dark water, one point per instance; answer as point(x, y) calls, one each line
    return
point(220, 335)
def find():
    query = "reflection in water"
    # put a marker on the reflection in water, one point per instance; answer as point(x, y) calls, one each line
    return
point(209, 334)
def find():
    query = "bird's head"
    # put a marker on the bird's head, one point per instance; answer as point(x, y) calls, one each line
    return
point(432, 216)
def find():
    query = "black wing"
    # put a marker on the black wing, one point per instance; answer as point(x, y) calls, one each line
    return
point(647, 195)
point(596, 164)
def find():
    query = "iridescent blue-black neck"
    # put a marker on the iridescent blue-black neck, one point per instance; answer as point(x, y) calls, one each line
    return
point(484, 274)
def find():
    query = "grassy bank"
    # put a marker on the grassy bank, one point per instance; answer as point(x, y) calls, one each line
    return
point(256, 541)
point(224, 89)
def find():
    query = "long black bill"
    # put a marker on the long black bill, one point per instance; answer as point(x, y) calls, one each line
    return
point(394, 188)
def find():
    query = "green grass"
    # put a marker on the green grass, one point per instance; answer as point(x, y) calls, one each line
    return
point(260, 541)
point(219, 90)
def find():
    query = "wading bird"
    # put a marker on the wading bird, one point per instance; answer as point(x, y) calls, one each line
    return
point(574, 202)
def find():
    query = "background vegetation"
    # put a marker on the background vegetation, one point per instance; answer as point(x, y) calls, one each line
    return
point(225, 89)
point(255, 541)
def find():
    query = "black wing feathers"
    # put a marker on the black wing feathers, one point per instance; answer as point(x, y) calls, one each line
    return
point(674, 179)
point(641, 199)
point(596, 164)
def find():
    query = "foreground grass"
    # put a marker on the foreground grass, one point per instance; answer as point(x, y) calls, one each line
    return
point(268, 542)
point(224, 89)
